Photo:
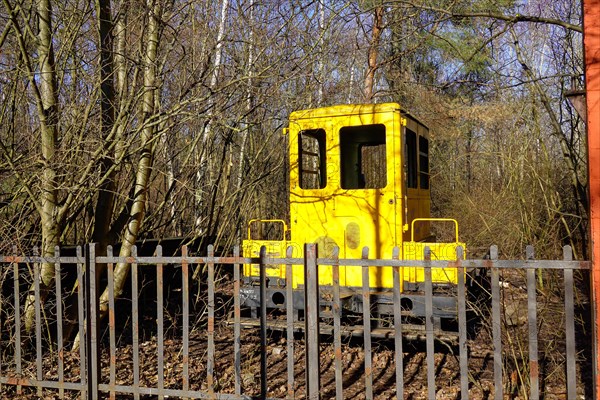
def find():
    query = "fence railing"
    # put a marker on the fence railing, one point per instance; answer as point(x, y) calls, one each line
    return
point(176, 330)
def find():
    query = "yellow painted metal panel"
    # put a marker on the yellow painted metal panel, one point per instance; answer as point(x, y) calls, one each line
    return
point(439, 251)
point(275, 249)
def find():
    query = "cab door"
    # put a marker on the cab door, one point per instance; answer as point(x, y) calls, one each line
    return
point(312, 184)
point(365, 202)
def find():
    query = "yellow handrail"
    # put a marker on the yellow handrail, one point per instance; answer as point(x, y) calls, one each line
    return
point(267, 220)
point(412, 227)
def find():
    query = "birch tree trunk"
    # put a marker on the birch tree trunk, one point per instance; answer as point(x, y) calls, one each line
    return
point(246, 123)
point(203, 173)
point(124, 98)
point(48, 117)
point(144, 165)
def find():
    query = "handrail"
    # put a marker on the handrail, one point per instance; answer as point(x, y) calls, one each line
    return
point(412, 227)
point(285, 228)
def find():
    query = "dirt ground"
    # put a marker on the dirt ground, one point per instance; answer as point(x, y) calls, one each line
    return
point(353, 371)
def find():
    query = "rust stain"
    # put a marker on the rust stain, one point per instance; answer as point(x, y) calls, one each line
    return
point(352, 235)
point(534, 370)
point(15, 381)
point(338, 354)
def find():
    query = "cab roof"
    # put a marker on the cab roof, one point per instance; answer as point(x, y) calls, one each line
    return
point(344, 109)
point(350, 109)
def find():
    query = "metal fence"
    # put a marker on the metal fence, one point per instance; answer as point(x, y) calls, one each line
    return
point(166, 335)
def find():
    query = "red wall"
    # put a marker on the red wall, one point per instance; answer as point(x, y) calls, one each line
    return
point(591, 38)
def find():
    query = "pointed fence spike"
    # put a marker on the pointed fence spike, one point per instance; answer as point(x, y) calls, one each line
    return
point(567, 253)
point(493, 252)
point(263, 253)
point(427, 253)
point(529, 252)
point(459, 253)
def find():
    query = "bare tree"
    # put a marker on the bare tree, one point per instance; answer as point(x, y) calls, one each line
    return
point(376, 31)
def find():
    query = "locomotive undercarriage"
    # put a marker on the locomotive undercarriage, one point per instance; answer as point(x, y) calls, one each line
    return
point(412, 305)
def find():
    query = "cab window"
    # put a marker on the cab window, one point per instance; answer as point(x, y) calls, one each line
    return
point(311, 159)
point(410, 155)
point(363, 157)
point(423, 162)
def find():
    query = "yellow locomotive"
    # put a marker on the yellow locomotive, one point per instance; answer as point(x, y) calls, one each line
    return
point(359, 176)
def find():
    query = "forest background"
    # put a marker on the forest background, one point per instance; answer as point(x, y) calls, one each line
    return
point(127, 119)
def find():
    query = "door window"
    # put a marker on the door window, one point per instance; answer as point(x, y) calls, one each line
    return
point(363, 157)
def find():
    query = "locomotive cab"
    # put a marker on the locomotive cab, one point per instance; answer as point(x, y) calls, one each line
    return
point(359, 177)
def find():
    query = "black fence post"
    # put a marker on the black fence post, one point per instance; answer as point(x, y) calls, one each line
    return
point(311, 320)
point(496, 324)
point(263, 322)
point(91, 336)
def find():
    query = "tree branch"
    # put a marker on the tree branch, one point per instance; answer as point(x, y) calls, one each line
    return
point(497, 16)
